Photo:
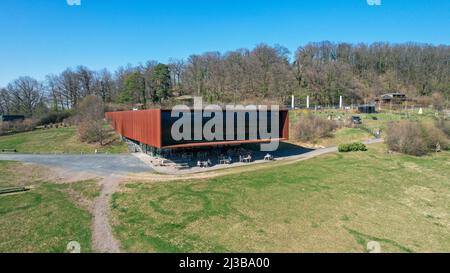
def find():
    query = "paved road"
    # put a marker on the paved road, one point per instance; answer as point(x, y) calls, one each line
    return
point(97, 164)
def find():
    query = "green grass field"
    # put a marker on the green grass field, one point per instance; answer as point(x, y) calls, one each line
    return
point(345, 135)
point(45, 218)
point(333, 203)
point(55, 140)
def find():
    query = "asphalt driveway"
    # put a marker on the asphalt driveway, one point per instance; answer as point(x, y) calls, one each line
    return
point(97, 164)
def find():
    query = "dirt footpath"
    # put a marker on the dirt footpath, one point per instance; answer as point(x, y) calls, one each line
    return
point(103, 240)
point(102, 236)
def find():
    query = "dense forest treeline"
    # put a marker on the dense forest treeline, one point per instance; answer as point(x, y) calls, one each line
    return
point(323, 70)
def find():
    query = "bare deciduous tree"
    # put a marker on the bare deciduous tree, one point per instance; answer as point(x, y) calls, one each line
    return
point(323, 70)
point(91, 127)
point(26, 94)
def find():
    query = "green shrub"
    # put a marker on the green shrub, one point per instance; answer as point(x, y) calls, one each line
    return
point(352, 147)
point(344, 148)
point(358, 146)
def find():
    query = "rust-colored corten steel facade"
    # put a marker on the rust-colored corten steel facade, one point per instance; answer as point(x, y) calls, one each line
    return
point(152, 127)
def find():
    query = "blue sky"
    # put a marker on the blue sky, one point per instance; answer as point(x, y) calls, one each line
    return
point(39, 37)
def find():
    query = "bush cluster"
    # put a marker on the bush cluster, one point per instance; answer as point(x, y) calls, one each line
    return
point(311, 128)
point(91, 125)
point(444, 126)
point(92, 132)
point(54, 117)
point(17, 126)
point(352, 147)
point(414, 138)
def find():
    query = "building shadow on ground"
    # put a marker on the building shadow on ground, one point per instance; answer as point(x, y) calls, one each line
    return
point(284, 150)
point(191, 157)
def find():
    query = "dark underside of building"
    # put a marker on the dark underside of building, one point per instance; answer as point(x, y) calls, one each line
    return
point(11, 118)
point(152, 129)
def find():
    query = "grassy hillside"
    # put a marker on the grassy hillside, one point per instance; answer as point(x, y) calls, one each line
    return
point(45, 218)
point(336, 202)
point(342, 135)
point(56, 140)
point(370, 123)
